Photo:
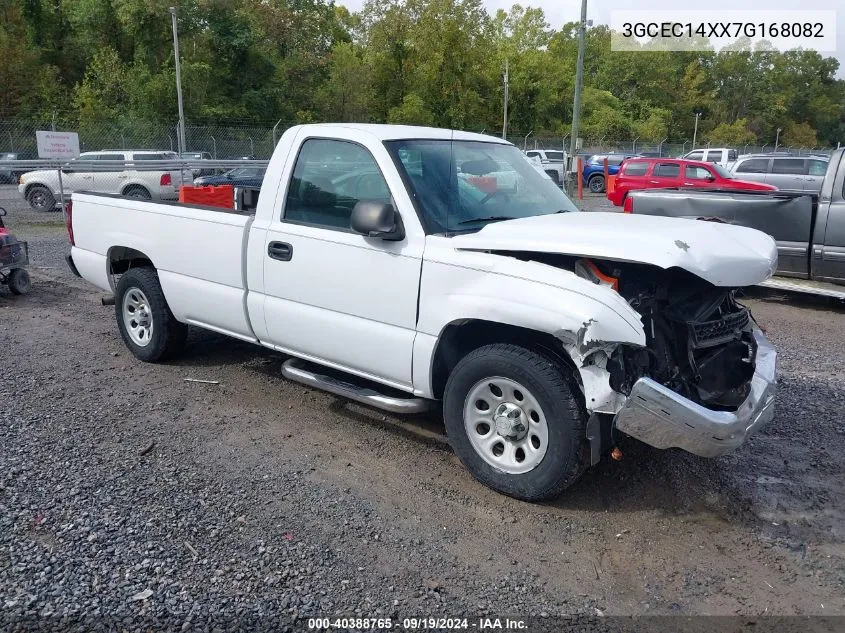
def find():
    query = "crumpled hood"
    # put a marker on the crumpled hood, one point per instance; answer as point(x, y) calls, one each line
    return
point(722, 254)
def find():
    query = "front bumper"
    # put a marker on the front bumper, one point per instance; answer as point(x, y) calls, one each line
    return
point(660, 417)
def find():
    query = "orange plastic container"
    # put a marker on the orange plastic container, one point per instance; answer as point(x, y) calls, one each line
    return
point(222, 196)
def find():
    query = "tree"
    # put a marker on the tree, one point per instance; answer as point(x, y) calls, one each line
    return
point(411, 112)
point(345, 95)
point(731, 134)
point(800, 135)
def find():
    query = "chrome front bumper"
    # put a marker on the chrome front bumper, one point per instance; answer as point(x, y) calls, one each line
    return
point(660, 417)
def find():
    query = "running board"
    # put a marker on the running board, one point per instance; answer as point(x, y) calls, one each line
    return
point(320, 378)
point(819, 288)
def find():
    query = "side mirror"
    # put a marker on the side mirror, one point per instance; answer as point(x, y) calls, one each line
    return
point(377, 219)
point(2, 212)
point(711, 178)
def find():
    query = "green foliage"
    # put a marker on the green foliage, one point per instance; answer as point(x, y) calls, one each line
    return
point(731, 134)
point(434, 62)
point(800, 135)
point(411, 112)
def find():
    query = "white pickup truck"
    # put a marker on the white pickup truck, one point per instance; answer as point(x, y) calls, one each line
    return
point(389, 279)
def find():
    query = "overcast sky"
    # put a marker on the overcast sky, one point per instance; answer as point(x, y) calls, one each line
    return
point(559, 12)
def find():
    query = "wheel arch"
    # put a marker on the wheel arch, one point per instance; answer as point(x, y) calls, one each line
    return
point(461, 336)
point(120, 259)
point(135, 185)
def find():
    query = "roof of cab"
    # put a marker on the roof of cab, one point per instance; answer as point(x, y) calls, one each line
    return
point(385, 132)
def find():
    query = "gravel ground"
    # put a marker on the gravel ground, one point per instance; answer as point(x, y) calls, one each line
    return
point(141, 500)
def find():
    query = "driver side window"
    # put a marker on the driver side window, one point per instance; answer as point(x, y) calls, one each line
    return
point(329, 178)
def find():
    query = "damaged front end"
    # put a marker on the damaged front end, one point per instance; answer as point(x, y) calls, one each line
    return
point(699, 339)
point(704, 379)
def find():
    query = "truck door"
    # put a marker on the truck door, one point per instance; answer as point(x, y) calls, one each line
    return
point(336, 296)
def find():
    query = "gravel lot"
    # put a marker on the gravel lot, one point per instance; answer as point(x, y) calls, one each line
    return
point(140, 499)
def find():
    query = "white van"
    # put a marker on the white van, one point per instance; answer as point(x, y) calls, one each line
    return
point(719, 155)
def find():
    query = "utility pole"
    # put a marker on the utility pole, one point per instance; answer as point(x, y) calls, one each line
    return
point(182, 146)
point(777, 138)
point(579, 80)
point(695, 131)
point(505, 121)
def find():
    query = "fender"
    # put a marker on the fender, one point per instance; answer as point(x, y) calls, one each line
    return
point(590, 321)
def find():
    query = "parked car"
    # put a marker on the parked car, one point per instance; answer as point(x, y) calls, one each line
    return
point(658, 173)
point(194, 156)
point(238, 177)
point(532, 322)
point(9, 173)
point(593, 174)
point(41, 188)
point(797, 174)
point(809, 230)
point(553, 161)
point(720, 155)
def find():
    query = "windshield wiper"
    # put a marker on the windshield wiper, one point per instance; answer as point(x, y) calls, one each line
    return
point(492, 218)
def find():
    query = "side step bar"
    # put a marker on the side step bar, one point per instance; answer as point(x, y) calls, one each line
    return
point(819, 288)
point(327, 380)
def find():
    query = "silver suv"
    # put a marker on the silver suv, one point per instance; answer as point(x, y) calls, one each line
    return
point(797, 174)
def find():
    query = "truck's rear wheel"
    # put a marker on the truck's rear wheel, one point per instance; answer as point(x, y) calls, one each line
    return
point(515, 422)
point(144, 319)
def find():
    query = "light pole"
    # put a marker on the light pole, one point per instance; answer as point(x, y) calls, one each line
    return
point(505, 118)
point(695, 131)
point(777, 138)
point(579, 80)
point(182, 147)
point(214, 144)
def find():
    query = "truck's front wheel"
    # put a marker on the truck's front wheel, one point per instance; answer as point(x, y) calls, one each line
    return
point(146, 323)
point(515, 422)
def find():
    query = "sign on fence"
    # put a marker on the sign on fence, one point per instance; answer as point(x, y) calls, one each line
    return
point(57, 144)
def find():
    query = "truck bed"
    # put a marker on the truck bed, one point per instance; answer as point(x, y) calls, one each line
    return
point(198, 253)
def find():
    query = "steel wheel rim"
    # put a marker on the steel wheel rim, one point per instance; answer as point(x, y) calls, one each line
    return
point(39, 199)
point(596, 185)
point(137, 317)
point(492, 423)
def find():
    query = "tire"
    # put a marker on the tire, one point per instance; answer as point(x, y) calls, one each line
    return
point(41, 198)
point(137, 193)
point(596, 184)
point(551, 464)
point(146, 324)
point(554, 175)
point(19, 282)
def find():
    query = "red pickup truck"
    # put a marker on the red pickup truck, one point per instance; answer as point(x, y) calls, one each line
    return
point(662, 173)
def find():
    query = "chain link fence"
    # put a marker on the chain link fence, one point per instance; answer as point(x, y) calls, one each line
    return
point(663, 148)
point(219, 142)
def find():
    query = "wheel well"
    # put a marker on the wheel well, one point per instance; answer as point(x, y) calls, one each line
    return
point(594, 176)
point(133, 187)
point(122, 258)
point(32, 185)
point(461, 337)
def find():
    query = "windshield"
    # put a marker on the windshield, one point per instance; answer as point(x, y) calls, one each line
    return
point(464, 185)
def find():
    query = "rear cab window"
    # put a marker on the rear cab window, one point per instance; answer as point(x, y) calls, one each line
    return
point(697, 155)
point(788, 166)
point(753, 166)
point(635, 168)
point(666, 170)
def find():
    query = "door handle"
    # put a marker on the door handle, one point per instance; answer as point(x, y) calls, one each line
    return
point(654, 182)
point(280, 250)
